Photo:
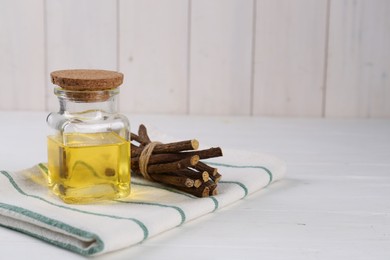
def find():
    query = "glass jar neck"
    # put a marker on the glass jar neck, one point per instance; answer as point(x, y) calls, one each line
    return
point(81, 102)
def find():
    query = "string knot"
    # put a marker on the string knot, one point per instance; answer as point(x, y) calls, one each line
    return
point(144, 159)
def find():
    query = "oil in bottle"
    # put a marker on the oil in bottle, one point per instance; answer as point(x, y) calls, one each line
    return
point(85, 167)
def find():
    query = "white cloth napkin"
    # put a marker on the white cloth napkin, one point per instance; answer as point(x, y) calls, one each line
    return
point(26, 205)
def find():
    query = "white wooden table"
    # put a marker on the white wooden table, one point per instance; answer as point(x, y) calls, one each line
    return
point(333, 204)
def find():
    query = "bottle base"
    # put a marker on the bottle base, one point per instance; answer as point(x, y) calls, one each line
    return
point(90, 194)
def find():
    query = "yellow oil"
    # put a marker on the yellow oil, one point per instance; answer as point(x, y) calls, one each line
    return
point(88, 167)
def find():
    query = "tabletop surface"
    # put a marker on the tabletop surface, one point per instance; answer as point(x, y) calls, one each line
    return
point(334, 202)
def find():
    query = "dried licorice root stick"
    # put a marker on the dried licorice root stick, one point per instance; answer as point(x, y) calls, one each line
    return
point(178, 181)
point(171, 157)
point(169, 147)
point(175, 164)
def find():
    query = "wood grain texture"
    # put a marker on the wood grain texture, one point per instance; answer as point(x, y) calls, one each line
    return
point(235, 57)
point(81, 34)
point(289, 57)
point(358, 83)
point(220, 57)
point(22, 68)
point(153, 55)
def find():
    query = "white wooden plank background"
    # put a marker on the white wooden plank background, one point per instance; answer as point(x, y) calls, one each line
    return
point(289, 57)
point(251, 57)
point(153, 55)
point(220, 57)
point(22, 55)
point(359, 59)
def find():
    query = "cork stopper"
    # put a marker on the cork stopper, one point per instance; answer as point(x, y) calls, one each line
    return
point(86, 80)
point(83, 85)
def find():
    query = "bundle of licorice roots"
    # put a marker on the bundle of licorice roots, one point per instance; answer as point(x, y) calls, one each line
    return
point(177, 164)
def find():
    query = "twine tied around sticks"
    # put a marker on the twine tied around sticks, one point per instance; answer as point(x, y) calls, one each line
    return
point(144, 159)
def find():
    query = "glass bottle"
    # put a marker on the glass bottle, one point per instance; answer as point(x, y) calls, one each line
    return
point(89, 152)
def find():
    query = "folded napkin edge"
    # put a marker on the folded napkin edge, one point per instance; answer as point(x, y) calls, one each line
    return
point(49, 230)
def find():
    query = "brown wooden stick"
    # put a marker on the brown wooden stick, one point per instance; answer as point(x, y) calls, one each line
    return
point(216, 178)
point(203, 176)
point(206, 154)
point(213, 190)
point(212, 187)
point(197, 183)
point(170, 147)
point(204, 167)
point(198, 192)
point(173, 166)
point(135, 138)
point(171, 157)
point(160, 158)
point(177, 146)
point(143, 134)
point(180, 181)
point(195, 175)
